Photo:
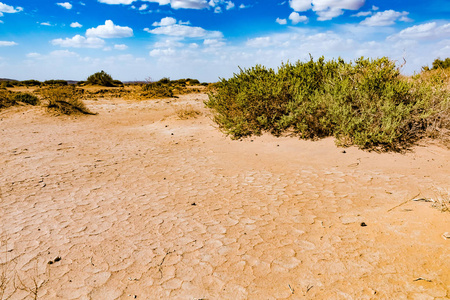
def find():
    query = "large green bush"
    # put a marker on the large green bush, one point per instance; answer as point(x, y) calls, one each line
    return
point(366, 103)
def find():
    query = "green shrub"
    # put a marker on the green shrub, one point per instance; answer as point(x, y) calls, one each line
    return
point(102, 78)
point(6, 99)
point(65, 100)
point(55, 82)
point(156, 90)
point(31, 82)
point(26, 98)
point(366, 103)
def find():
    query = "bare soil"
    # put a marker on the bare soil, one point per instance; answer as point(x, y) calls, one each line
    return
point(137, 203)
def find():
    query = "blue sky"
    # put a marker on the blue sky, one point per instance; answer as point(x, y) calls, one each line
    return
point(208, 39)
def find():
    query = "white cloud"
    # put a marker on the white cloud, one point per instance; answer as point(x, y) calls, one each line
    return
point(33, 55)
point(385, 18)
point(126, 2)
point(169, 26)
point(109, 30)
point(66, 5)
point(76, 25)
point(259, 42)
point(296, 18)
point(9, 9)
point(162, 52)
point(192, 4)
point(79, 41)
point(7, 43)
point(375, 7)
point(243, 6)
point(300, 5)
point(213, 43)
point(120, 47)
point(167, 21)
point(230, 5)
point(46, 24)
point(281, 21)
point(326, 9)
point(427, 31)
point(169, 43)
point(63, 53)
point(362, 14)
point(143, 7)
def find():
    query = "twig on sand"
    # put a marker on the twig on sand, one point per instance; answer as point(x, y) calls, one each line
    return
point(164, 258)
point(292, 290)
point(421, 278)
point(404, 202)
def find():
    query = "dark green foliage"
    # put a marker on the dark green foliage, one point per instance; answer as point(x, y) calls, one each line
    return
point(26, 98)
point(56, 82)
point(156, 90)
point(439, 64)
point(366, 103)
point(31, 82)
point(103, 79)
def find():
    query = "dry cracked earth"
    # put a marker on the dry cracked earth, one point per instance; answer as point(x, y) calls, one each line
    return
point(135, 203)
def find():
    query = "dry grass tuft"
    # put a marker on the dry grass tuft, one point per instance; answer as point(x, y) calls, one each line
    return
point(187, 112)
point(65, 100)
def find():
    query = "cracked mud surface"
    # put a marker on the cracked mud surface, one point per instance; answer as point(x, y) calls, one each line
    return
point(136, 202)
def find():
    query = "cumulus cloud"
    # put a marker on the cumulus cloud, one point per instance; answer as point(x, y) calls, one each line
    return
point(109, 30)
point(213, 43)
point(120, 47)
point(46, 24)
point(143, 7)
point(63, 53)
point(79, 41)
point(296, 18)
point(281, 21)
point(326, 9)
point(162, 52)
point(76, 25)
point(7, 43)
point(4, 8)
point(386, 18)
point(167, 21)
point(169, 26)
point(427, 31)
point(259, 42)
point(66, 5)
point(186, 31)
point(126, 2)
point(230, 5)
point(192, 4)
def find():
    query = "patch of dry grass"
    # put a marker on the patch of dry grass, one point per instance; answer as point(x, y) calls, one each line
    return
point(187, 112)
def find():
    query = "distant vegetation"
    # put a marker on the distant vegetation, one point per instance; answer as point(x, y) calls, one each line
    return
point(103, 79)
point(8, 99)
point(65, 100)
point(438, 64)
point(366, 103)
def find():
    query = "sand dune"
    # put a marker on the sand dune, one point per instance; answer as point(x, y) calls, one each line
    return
point(139, 204)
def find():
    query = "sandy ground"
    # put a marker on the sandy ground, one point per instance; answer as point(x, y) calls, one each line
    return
point(138, 204)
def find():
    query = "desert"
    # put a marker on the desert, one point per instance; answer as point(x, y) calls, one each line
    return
point(143, 201)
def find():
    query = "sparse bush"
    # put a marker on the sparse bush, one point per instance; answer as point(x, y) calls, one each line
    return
point(156, 90)
point(103, 79)
point(6, 99)
point(55, 82)
point(31, 82)
point(366, 103)
point(26, 98)
point(65, 100)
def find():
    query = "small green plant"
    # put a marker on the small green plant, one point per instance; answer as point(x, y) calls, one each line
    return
point(26, 98)
point(65, 100)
